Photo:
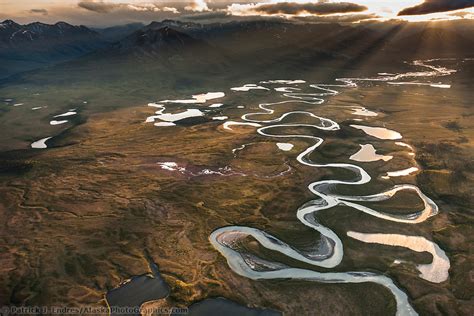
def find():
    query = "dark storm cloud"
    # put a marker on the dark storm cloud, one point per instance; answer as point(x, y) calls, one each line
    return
point(343, 18)
point(319, 8)
point(433, 6)
point(98, 6)
point(39, 11)
point(214, 15)
point(172, 6)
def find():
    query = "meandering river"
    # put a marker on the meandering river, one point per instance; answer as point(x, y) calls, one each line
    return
point(329, 251)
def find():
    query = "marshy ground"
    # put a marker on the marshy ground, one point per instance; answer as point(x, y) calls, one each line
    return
point(94, 208)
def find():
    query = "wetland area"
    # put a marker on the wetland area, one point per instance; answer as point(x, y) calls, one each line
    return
point(245, 195)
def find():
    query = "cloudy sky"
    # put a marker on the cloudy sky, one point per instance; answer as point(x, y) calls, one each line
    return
point(114, 12)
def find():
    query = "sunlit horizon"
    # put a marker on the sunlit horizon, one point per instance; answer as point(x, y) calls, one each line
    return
point(116, 12)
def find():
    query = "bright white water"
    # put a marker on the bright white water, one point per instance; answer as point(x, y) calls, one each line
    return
point(164, 124)
point(413, 83)
point(54, 122)
point(170, 118)
point(363, 112)
point(378, 132)
point(284, 81)
point(41, 144)
point(198, 98)
point(404, 145)
point(285, 146)
point(400, 173)
point(435, 272)
point(220, 118)
point(367, 153)
point(69, 113)
point(173, 166)
point(328, 251)
point(286, 89)
point(248, 87)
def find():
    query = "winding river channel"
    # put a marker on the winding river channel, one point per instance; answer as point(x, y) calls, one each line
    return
point(328, 251)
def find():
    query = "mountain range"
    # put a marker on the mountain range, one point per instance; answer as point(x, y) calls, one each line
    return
point(253, 45)
point(12, 34)
point(116, 33)
point(35, 45)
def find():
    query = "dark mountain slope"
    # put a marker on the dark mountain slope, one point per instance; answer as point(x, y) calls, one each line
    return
point(13, 34)
point(145, 60)
point(116, 33)
point(159, 46)
point(154, 40)
point(183, 54)
point(25, 47)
